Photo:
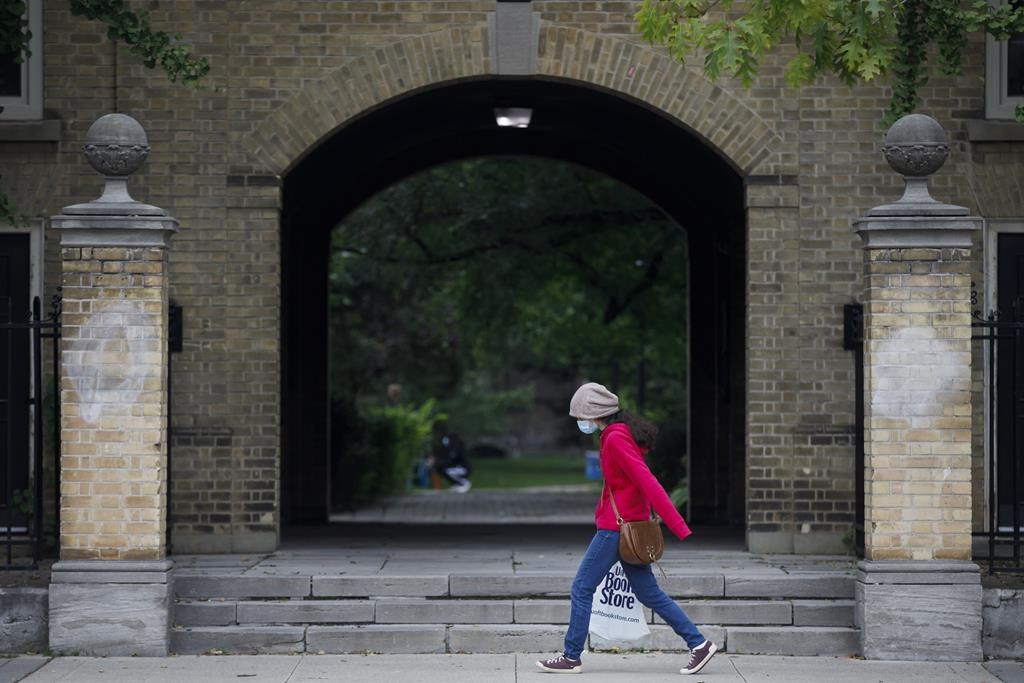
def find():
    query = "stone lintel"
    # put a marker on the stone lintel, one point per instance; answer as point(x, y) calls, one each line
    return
point(115, 231)
point(918, 572)
point(111, 571)
point(916, 232)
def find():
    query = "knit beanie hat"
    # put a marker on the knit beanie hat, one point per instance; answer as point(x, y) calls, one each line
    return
point(591, 401)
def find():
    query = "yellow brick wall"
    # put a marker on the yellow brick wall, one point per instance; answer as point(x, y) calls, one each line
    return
point(113, 397)
point(917, 355)
point(811, 158)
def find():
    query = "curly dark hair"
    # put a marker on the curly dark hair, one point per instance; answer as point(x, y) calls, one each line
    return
point(643, 430)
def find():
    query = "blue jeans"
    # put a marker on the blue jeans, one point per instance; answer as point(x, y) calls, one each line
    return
point(599, 558)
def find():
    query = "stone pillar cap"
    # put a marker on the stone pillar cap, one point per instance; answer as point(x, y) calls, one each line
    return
point(915, 147)
point(115, 146)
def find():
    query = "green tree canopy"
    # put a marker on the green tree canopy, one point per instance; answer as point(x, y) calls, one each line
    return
point(450, 279)
point(125, 26)
point(858, 40)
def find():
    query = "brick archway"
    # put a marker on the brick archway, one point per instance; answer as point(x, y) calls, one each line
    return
point(714, 117)
point(611, 63)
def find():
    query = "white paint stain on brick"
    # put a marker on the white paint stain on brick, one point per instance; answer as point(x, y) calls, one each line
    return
point(115, 351)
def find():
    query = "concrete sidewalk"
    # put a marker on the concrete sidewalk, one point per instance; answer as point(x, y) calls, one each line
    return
point(512, 668)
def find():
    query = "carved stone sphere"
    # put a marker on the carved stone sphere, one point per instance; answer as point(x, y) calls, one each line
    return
point(116, 145)
point(916, 146)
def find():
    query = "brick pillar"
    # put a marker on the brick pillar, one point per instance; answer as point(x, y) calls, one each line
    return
point(109, 593)
point(918, 594)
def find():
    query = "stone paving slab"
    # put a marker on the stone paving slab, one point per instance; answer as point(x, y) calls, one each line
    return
point(805, 585)
point(204, 613)
point(823, 612)
point(696, 585)
point(369, 586)
point(390, 639)
point(506, 668)
point(239, 640)
point(306, 612)
point(18, 668)
point(541, 611)
point(444, 612)
point(661, 639)
point(207, 586)
point(512, 585)
point(406, 668)
point(508, 638)
point(809, 640)
point(725, 612)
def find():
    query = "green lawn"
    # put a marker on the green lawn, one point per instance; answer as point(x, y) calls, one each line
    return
point(538, 470)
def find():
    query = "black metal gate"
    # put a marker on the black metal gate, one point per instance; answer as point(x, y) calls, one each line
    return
point(1002, 353)
point(25, 436)
point(853, 340)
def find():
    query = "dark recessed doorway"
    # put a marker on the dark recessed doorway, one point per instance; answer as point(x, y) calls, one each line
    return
point(626, 140)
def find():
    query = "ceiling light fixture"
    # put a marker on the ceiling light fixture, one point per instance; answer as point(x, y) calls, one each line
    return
point(513, 117)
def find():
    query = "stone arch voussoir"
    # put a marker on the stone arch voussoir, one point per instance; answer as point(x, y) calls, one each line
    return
point(607, 62)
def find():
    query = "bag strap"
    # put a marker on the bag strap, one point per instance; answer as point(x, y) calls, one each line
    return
point(619, 521)
point(615, 508)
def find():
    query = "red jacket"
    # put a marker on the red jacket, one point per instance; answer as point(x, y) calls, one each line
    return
point(631, 482)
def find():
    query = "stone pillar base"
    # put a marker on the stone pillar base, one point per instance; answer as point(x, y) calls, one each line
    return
point(111, 607)
point(929, 610)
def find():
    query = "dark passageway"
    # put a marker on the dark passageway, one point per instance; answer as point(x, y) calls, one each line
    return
point(670, 165)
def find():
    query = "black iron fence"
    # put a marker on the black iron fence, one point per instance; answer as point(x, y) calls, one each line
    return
point(29, 432)
point(1002, 354)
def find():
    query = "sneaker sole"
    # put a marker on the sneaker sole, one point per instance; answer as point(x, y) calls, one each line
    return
point(687, 672)
point(577, 670)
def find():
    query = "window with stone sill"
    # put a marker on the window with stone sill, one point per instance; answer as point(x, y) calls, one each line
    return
point(21, 85)
point(1004, 73)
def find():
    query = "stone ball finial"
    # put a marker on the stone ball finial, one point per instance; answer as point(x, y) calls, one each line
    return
point(916, 146)
point(116, 145)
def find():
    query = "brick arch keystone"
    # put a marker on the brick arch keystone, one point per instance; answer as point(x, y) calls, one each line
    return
point(607, 62)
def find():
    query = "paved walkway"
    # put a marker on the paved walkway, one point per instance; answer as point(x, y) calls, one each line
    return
point(552, 504)
point(612, 668)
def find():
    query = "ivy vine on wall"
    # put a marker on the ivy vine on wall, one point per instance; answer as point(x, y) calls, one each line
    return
point(132, 29)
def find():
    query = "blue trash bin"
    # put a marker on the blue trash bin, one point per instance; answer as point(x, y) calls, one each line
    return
point(593, 466)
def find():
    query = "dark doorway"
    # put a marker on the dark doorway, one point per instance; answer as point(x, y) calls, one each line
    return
point(1010, 381)
point(15, 380)
point(624, 139)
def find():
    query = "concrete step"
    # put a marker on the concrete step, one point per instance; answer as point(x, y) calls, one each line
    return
point(238, 640)
point(662, 639)
point(804, 585)
point(385, 610)
point(823, 612)
point(794, 640)
point(496, 639)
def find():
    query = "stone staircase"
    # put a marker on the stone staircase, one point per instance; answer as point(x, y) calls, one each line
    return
point(744, 610)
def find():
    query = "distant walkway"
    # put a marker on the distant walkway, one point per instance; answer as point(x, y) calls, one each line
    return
point(552, 505)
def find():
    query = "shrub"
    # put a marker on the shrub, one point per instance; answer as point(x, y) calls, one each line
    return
point(374, 448)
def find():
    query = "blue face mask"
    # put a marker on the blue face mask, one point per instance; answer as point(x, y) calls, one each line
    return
point(586, 426)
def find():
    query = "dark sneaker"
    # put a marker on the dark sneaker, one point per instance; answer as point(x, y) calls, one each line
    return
point(699, 656)
point(561, 665)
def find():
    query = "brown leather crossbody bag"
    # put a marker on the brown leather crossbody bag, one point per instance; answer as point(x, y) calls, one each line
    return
point(639, 542)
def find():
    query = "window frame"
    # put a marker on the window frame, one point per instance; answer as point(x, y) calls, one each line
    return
point(29, 106)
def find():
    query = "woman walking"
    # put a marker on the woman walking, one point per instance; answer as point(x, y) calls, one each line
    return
point(625, 438)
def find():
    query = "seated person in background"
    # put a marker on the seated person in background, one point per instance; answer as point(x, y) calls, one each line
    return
point(450, 460)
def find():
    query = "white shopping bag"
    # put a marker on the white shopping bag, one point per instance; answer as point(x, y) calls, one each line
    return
point(617, 615)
